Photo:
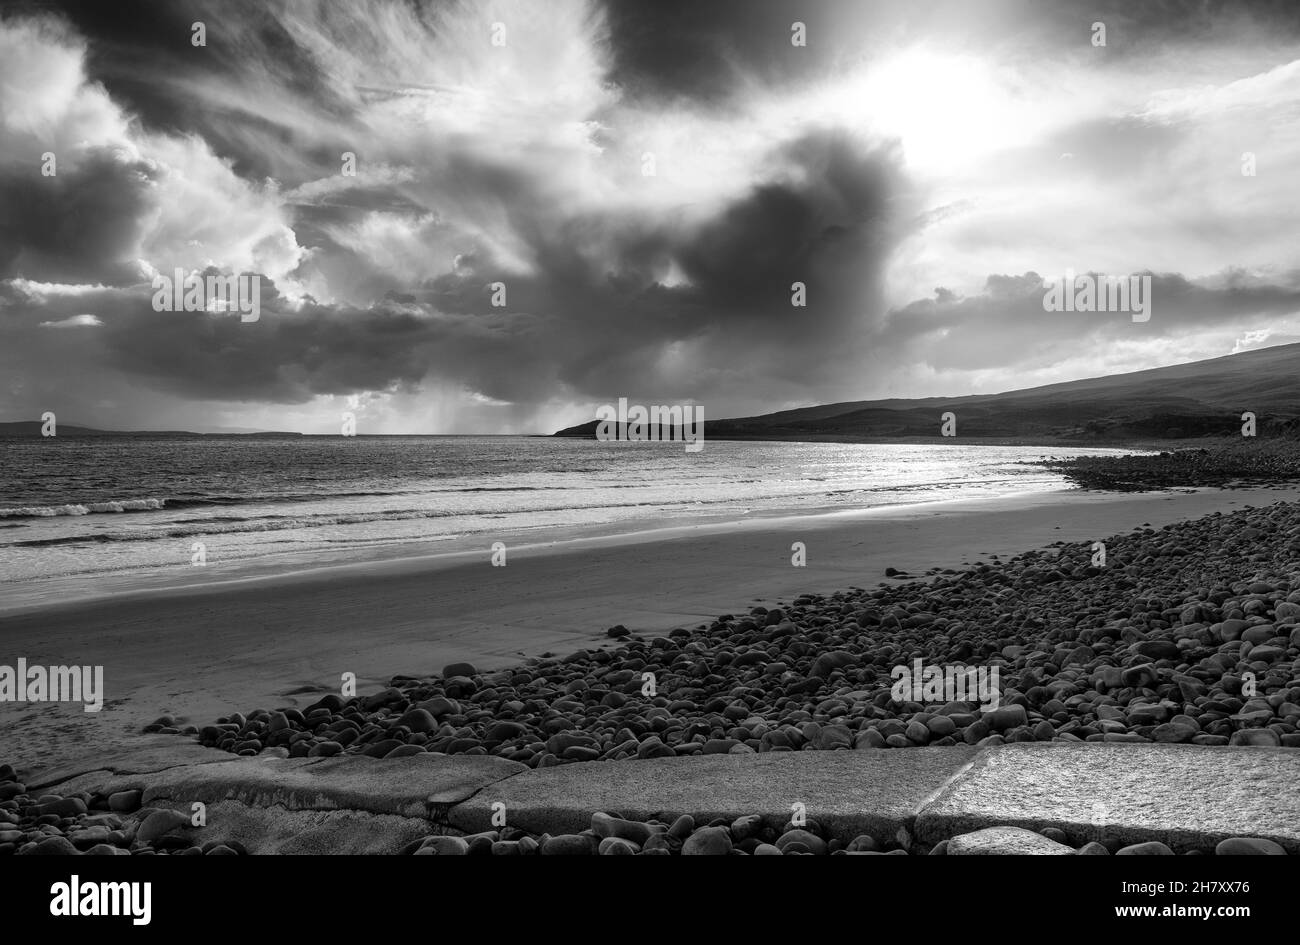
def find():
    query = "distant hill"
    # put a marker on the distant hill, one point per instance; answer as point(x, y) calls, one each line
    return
point(33, 428)
point(1202, 398)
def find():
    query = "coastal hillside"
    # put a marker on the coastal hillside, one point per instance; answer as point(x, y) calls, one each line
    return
point(1202, 398)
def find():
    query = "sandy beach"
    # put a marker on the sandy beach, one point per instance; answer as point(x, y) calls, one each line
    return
point(281, 638)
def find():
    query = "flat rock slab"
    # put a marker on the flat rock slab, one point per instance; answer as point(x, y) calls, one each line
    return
point(1186, 796)
point(413, 786)
point(866, 791)
point(274, 831)
point(142, 755)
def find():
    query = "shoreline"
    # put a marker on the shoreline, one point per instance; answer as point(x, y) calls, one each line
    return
point(282, 639)
point(84, 561)
point(33, 595)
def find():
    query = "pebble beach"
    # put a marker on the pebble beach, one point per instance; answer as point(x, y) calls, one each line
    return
point(1186, 633)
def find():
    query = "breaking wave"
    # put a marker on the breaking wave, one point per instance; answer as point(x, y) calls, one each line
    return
point(87, 508)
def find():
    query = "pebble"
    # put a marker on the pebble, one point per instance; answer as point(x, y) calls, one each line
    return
point(160, 823)
point(1250, 846)
point(1150, 848)
point(743, 828)
point(445, 846)
point(125, 801)
point(1007, 717)
point(64, 807)
point(682, 827)
point(617, 846)
point(567, 845)
point(419, 720)
point(603, 825)
point(708, 841)
point(54, 846)
point(809, 841)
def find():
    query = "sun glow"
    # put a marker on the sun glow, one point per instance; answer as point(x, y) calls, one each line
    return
point(944, 108)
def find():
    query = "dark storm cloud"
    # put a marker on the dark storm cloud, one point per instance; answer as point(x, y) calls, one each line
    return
point(142, 53)
point(77, 225)
point(706, 51)
point(828, 223)
point(600, 329)
point(1136, 24)
point(1064, 27)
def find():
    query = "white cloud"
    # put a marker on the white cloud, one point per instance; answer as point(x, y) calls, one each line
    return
point(196, 210)
point(46, 290)
point(74, 321)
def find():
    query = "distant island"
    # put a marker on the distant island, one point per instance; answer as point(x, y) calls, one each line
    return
point(25, 428)
point(1183, 401)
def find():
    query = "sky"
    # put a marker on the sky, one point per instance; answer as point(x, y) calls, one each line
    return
point(555, 205)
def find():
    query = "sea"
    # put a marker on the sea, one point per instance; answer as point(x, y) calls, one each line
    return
point(89, 505)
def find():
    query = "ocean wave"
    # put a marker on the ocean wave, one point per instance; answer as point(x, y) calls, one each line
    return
point(506, 488)
point(192, 502)
point(228, 525)
point(235, 525)
point(70, 540)
point(174, 503)
point(86, 508)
